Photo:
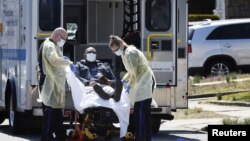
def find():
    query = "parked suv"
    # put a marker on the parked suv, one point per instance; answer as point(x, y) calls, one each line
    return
point(219, 47)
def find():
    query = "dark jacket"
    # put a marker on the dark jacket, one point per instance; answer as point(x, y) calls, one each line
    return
point(88, 72)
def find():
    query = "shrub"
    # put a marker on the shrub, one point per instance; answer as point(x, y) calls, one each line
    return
point(195, 110)
point(230, 121)
point(231, 76)
point(219, 96)
point(228, 78)
point(201, 17)
point(197, 79)
point(247, 121)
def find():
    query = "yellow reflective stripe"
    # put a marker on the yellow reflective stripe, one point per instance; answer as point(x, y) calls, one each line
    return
point(150, 36)
point(43, 34)
point(178, 41)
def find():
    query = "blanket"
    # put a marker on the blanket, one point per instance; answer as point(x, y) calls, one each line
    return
point(85, 97)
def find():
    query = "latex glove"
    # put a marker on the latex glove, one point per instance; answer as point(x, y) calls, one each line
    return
point(125, 83)
point(72, 67)
point(127, 89)
point(67, 60)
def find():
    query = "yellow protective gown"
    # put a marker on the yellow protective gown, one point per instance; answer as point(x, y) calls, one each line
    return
point(139, 75)
point(53, 91)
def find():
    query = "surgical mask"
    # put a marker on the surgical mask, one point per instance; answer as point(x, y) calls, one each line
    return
point(119, 52)
point(91, 57)
point(61, 43)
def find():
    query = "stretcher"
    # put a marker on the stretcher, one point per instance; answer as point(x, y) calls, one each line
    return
point(95, 115)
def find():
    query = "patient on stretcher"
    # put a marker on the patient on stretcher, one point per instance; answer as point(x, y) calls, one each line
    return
point(92, 72)
point(85, 97)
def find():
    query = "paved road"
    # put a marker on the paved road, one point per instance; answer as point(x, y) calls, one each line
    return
point(177, 130)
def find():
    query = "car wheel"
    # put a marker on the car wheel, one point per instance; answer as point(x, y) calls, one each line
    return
point(216, 68)
point(14, 116)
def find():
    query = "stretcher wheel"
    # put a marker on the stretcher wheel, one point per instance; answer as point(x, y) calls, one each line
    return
point(129, 136)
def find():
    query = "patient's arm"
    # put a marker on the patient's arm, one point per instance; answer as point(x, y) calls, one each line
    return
point(105, 81)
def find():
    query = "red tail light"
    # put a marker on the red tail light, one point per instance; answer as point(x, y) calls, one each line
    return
point(189, 48)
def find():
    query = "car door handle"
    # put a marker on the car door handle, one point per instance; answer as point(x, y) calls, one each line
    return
point(227, 46)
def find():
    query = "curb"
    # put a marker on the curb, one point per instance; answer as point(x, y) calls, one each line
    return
point(215, 94)
point(225, 103)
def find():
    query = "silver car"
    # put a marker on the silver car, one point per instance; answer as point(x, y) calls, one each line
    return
point(219, 47)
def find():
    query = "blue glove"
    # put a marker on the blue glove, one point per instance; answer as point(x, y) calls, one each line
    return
point(124, 81)
point(72, 67)
point(127, 89)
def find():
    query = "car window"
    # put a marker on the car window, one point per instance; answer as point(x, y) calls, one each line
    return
point(235, 31)
point(246, 31)
point(190, 34)
point(158, 15)
point(49, 14)
point(215, 34)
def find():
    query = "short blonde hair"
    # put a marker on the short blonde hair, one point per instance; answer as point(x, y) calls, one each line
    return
point(115, 40)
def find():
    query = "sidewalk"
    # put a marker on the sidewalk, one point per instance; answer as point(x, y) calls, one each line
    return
point(228, 103)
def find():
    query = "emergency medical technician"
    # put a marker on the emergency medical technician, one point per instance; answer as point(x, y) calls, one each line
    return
point(141, 80)
point(52, 69)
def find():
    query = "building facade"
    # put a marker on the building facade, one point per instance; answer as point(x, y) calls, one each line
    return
point(237, 9)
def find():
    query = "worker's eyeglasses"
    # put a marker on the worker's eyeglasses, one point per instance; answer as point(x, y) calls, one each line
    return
point(91, 52)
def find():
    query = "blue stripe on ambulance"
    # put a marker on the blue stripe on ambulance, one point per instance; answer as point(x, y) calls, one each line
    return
point(13, 54)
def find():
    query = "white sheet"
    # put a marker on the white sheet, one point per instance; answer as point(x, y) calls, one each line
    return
point(85, 97)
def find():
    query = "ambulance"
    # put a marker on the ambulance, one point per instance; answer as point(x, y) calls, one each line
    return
point(24, 25)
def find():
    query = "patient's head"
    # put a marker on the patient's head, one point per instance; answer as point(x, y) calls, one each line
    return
point(90, 54)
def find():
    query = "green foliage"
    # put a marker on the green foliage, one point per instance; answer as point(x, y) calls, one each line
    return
point(244, 96)
point(197, 79)
point(201, 17)
point(236, 121)
point(230, 121)
point(233, 75)
point(247, 121)
point(219, 96)
point(195, 110)
point(230, 77)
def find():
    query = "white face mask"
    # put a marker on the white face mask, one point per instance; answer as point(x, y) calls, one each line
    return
point(91, 57)
point(119, 52)
point(61, 43)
